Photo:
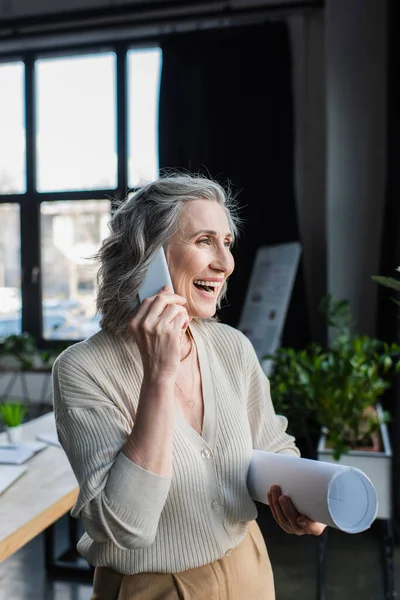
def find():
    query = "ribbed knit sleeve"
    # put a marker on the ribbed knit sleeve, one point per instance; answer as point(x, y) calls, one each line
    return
point(268, 429)
point(118, 500)
point(136, 521)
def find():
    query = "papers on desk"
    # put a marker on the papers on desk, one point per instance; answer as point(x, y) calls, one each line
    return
point(10, 474)
point(16, 454)
point(49, 438)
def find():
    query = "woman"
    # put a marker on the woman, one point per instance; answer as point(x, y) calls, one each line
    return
point(159, 411)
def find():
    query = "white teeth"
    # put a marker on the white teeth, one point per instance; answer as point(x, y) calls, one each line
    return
point(213, 284)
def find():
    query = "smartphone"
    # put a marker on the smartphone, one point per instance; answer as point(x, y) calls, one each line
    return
point(156, 277)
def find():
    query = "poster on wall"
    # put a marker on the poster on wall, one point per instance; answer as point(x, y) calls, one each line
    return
point(268, 296)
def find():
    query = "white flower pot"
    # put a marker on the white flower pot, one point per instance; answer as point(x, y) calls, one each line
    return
point(376, 465)
point(14, 434)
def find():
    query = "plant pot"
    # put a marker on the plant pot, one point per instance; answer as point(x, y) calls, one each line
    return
point(376, 465)
point(13, 434)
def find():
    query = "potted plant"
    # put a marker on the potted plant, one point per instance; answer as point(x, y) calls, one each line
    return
point(12, 413)
point(293, 393)
point(25, 371)
point(20, 353)
point(337, 389)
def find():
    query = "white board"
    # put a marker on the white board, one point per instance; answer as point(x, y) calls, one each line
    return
point(268, 296)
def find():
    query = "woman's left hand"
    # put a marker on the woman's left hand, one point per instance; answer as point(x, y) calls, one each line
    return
point(287, 516)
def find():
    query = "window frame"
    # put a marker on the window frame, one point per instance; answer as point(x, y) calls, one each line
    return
point(30, 201)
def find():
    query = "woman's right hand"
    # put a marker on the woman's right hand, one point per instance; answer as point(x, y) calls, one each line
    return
point(157, 329)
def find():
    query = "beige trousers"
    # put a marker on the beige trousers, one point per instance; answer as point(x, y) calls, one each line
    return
point(245, 574)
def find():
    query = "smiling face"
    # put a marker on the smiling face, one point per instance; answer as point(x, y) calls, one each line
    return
point(199, 256)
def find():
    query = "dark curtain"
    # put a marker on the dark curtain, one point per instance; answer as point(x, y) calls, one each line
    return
point(226, 110)
point(388, 312)
point(388, 321)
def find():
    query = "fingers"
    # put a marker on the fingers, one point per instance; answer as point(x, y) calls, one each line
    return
point(278, 519)
point(170, 313)
point(157, 329)
point(291, 515)
point(180, 322)
point(154, 306)
point(163, 313)
point(288, 518)
point(311, 527)
point(284, 511)
point(278, 513)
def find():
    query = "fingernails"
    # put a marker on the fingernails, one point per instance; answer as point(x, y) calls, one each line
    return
point(301, 522)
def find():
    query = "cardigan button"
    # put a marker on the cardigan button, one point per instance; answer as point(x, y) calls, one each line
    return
point(215, 505)
point(206, 454)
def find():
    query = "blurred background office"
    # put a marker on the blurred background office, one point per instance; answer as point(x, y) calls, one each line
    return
point(295, 103)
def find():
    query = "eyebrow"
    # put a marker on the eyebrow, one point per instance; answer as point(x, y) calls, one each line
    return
point(209, 232)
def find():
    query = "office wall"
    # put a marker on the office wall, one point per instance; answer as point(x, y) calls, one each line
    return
point(356, 150)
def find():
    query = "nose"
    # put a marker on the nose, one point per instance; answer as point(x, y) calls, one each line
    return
point(223, 260)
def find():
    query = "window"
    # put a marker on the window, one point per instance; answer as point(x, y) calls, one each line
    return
point(72, 232)
point(143, 75)
point(12, 128)
point(87, 133)
point(76, 123)
point(10, 270)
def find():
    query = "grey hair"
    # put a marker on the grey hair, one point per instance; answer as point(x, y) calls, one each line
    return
point(139, 227)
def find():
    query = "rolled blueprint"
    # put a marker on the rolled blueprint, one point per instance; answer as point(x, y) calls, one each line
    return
point(339, 496)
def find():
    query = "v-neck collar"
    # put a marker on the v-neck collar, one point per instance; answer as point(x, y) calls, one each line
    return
point(208, 389)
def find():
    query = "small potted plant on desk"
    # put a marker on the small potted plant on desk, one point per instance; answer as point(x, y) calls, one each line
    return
point(11, 414)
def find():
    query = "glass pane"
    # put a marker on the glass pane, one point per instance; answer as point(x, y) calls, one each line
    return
point(12, 129)
point(144, 68)
point(72, 232)
point(76, 120)
point(10, 270)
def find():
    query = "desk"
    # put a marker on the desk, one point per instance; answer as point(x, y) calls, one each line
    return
point(46, 492)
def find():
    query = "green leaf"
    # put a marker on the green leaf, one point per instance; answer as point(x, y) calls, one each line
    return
point(12, 413)
point(388, 282)
point(334, 386)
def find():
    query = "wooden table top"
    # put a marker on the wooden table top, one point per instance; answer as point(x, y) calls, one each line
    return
point(46, 492)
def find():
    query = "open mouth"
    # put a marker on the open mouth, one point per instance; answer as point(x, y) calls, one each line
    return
point(210, 287)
